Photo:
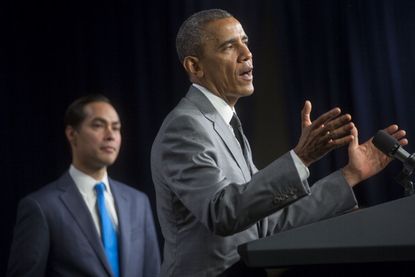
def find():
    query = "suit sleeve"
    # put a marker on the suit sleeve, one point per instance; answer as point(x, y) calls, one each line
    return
point(185, 159)
point(30, 246)
point(151, 254)
point(329, 197)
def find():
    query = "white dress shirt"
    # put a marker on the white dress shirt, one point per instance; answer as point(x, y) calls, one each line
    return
point(85, 185)
point(227, 111)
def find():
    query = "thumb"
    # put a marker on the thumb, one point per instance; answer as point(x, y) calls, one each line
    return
point(355, 142)
point(305, 114)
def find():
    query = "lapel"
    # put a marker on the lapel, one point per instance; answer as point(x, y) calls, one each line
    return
point(73, 201)
point(122, 206)
point(221, 128)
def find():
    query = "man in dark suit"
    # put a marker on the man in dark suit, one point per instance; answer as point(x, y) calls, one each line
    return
point(85, 223)
point(210, 196)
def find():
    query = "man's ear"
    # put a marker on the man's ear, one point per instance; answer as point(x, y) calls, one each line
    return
point(71, 135)
point(193, 67)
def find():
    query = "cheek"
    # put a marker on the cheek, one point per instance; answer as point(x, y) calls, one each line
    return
point(223, 74)
point(230, 71)
point(89, 144)
point(118, 140)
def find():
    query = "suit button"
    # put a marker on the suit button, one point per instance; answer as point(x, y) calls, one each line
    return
point(278, 199)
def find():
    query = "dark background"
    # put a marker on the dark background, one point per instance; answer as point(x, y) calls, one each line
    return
point(355, 54)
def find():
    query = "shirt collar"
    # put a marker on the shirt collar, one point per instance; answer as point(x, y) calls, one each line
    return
point(86, 183)
point(223, 108)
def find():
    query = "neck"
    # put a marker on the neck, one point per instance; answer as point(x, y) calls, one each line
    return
point(96, 173)
point(230, 100)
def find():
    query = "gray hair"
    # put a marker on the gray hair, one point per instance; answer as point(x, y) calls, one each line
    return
point(190, 36)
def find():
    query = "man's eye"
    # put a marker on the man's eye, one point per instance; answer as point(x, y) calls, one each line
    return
point(227, 46)
point(97, 125)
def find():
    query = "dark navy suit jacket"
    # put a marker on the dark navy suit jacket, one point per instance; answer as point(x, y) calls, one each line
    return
point(55, 234)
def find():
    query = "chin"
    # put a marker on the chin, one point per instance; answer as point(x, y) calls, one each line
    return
point(247, 91)
point(108, 161)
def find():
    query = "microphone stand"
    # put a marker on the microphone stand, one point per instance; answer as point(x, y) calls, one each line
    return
point(406, 172)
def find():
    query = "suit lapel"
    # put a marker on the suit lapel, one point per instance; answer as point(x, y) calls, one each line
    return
point(124, 218)
point(73, 201)
point(220, 127)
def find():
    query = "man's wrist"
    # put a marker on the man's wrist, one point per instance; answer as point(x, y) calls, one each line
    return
point(302, 169)
point(352, 178)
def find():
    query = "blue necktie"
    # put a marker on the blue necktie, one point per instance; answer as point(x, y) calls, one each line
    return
point(108, 232)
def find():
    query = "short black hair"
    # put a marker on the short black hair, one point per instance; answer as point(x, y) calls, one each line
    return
point(75, 113)
point(190, 36)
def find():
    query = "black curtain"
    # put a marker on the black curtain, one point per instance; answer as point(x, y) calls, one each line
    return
point(358, 55)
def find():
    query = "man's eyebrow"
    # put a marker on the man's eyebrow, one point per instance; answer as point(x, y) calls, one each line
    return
point(229, 41)
point(102, 120)
point(232, 40)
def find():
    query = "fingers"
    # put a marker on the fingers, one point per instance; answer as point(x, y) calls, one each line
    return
point(391, 129)
point(305, 114)
point(332, 129)
point(343, 135)
point(329, 131)
point(342, 141)
point(343, 132)
point(394, 131)
point(400, 136)
point(336, 132)
point(355, 134)
point(326, 117)
point(339, 127)
point(355, 141)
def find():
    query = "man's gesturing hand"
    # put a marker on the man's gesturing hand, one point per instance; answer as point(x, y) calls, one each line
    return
point(365, 160)
point(329, 131)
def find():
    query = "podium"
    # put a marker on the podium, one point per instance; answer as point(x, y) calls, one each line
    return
point(380, 234)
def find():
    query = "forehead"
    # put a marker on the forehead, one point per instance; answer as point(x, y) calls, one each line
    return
point(221, 30)
point(101, 110)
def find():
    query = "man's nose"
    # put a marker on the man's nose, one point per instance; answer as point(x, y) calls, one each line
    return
point(245, 54)
point(109, 133)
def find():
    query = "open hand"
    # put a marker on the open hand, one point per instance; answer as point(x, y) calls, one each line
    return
point(327, 132)
point(365, 160)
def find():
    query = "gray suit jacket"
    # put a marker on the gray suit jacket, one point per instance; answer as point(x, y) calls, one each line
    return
point(208, 202)
point(55, 234)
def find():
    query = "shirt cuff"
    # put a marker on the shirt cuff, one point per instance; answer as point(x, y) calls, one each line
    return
point(302, 170)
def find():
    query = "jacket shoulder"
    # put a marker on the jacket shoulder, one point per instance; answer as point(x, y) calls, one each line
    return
point(129, 190)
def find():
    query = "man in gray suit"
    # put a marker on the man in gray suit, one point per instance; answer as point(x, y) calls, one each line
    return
point(60, 228)
point(210, 196)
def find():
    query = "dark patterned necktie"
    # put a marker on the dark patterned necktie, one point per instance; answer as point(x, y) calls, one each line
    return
point(237, 129)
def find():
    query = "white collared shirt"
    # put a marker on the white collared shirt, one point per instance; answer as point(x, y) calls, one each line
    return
point(85, 185)
point(226, 112)
point(223, 108)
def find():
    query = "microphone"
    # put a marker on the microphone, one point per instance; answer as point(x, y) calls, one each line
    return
point(391, 147)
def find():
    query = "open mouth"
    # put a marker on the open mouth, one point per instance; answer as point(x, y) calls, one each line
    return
point(246, 74)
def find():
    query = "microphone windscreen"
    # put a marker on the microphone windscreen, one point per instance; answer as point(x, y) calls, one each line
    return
point(385, 142)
